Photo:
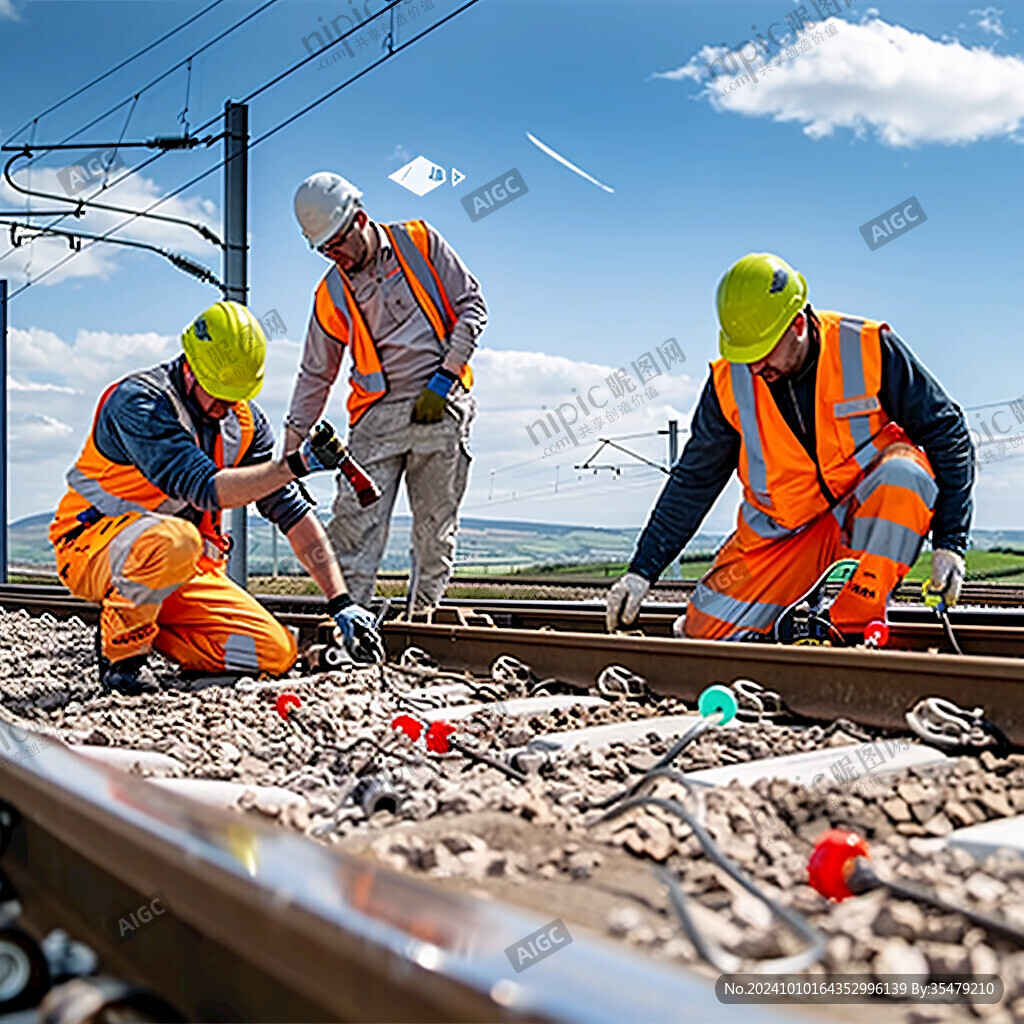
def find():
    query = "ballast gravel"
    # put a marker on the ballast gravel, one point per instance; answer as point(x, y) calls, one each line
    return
point(468, 827)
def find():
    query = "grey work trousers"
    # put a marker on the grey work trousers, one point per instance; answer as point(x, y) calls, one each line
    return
point(434, 458)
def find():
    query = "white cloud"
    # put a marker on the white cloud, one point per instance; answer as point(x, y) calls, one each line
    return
point(7, 10)
point(137, 192)
point(55, 386)
point(34, 433)
point(512, 478)
point(990, 19)
point(400, 155)
point(874, 77)
point(93, 358)
point(17, 385)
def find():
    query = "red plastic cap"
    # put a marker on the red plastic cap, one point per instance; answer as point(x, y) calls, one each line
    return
point(832, 861)
point(286, 702)
point(408, 725)
point(437, 737)
point(877, 632)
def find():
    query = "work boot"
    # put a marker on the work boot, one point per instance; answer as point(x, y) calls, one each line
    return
point(129, 676)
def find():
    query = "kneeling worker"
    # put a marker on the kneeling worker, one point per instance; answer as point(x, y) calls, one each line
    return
point(846, 447)
point(138, 530)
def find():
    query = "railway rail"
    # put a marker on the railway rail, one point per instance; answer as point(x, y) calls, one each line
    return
point(566, 641)
point(259, 925)
point(265, 926)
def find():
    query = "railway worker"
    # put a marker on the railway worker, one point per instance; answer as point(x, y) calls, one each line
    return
point(846, 446)
point(138, 530)
point(398, 297)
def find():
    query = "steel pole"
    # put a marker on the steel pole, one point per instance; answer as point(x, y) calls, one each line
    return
point(673, 442)
point(236, 278)
point(3, 431)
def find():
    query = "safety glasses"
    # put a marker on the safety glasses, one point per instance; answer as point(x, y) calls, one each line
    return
point(335, 242)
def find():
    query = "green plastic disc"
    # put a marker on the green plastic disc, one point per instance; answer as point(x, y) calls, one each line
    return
point(718, 698)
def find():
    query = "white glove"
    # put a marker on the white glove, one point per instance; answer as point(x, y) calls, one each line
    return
point(624, 601)
point(947, 575)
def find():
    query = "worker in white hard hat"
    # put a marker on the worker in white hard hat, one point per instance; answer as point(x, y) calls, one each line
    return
point(398, 297)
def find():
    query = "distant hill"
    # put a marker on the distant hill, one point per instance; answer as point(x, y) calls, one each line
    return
point(503, 544)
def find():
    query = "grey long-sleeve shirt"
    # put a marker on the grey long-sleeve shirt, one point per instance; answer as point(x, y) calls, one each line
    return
point(409, 350)
point(910, 396)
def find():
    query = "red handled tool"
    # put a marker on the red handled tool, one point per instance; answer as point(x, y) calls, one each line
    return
point(367, 492)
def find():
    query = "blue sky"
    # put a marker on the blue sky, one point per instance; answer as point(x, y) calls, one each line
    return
point(909, 99)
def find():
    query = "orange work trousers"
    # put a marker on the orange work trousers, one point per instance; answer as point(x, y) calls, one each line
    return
point(881, 522)
point(142, 568)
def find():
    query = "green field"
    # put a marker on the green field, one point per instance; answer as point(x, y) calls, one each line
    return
point(1001, 566)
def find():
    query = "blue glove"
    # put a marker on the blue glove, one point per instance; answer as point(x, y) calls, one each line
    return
point(358, 628)
point(323, 449)
point(431, 403)
point(441, 383)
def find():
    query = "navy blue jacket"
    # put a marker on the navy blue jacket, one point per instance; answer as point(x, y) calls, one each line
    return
point(910, 396)
point(138, 427)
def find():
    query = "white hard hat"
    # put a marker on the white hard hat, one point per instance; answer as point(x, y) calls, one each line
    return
point(325, 204)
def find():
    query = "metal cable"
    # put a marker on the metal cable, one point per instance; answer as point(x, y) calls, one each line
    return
point(262, 138)
point(116, 68)
point(706, 946)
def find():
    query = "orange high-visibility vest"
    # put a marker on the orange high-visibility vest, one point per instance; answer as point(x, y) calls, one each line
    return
point(111, 489)
point(783, 488)
point(338, 314)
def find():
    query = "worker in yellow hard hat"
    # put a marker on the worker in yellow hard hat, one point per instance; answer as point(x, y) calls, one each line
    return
point(138, 530)
point(847, 449)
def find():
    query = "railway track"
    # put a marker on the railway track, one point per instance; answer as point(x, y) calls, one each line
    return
point(566, 641)
point(257, 925)
point(252, 909)
point(1008, 595)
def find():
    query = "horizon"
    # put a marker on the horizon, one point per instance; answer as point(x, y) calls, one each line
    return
point(580, 281)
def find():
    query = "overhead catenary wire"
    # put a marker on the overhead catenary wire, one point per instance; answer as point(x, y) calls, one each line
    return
point(153, 82)
point(252, 95)
point(266, 135)
point(117, 67)
point(568, 492)
point(133, 100)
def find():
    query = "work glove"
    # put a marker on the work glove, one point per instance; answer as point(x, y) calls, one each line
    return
point(323, 449)
point(432, 401)
point(624, 601)
point(358, 628)
point(947, 575)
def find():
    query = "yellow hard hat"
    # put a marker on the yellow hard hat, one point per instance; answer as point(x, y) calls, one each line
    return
point(226, 348)
point(758, 298)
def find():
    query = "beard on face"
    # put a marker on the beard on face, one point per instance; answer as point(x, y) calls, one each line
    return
point(359, 261)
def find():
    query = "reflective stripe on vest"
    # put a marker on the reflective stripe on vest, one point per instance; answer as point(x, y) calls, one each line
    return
point(743, 392)
point(782, 491)
point(422, 278)
point(366, 369)
point(340, 318)
point(855, 404)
